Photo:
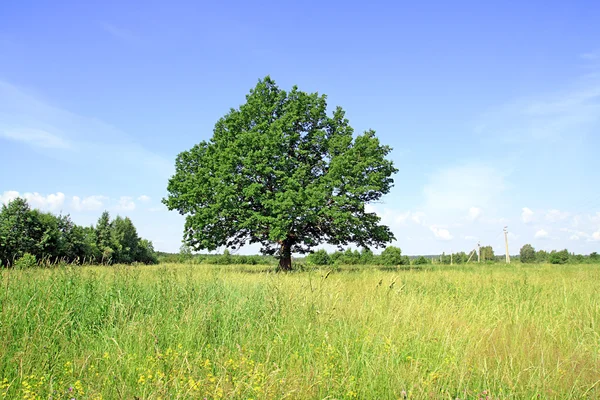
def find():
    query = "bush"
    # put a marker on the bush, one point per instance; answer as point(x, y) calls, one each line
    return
point(559, 257)
point(421, 261)
point(26, 261)
point(391, 256)
point(319, 257)
point(527, 254)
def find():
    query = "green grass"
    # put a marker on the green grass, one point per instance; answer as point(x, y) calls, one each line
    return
point(178, 331)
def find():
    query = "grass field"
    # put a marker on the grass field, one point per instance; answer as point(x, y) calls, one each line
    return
point(178, 331)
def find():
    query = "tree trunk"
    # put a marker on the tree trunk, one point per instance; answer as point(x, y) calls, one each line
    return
point(285, 256)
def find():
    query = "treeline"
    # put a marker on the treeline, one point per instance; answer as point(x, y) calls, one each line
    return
point(186, 256)
point(528, 254)
point(392, 256)
point(29, 237)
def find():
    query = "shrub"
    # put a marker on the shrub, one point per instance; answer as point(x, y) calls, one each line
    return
point(559, 257)
point(421, 261)
point(27, 260)
point(319, 257)
point(391, 256)
point(527, 254)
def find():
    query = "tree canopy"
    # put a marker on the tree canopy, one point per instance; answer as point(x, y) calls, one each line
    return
point(280, 172)
point(46, 237)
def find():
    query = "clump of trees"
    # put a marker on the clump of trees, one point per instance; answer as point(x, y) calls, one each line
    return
point(528, 255)
point(390, 256)
point(30, 235)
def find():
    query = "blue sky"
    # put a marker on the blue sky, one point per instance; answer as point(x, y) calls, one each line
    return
point(493, 110)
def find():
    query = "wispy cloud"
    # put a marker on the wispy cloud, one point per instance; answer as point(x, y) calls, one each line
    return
point(36, 138)
point(26, 118)
point(459, 187)
point(119, 33)
point(562, 115)
point(126, 203)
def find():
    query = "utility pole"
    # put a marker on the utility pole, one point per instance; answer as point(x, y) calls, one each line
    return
point(506, 243)
point(478, 252)
point(450, 256)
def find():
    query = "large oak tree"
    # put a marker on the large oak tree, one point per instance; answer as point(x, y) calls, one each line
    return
point(280, 172)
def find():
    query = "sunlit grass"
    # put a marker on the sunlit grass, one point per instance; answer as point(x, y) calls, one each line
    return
point(178, 331)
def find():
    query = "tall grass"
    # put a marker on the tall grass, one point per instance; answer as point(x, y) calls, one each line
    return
point(180, 331)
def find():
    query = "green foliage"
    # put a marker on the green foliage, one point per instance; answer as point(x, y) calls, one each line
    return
point(527, 254)
point(487, 253)
point(349, 257)
point(280, 172)
point(319, 257)
point(559, 257)
point(421, 261)
point(541, 256)
point(391, 256)
point(594, 256)
point(366, 256)
point(50, 238)
point(26, 261)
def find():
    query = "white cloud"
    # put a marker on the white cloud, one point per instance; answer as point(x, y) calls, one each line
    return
point(574, 237)
point(126, 204)
point(37, 138)
point(418, 217)
point(541, 234)
point(51, 202)
point(527, 215)
point(595, 236)
point(468, 237)
point(90, 203)
point(8, 196)
point(144, 199)
point(440, 233)
point(556, 215)
point(474, 213)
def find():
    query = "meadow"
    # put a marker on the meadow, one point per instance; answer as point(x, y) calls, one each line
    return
point(176, 331)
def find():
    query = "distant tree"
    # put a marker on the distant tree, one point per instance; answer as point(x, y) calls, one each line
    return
point(421, 261)
point(460, 257)
point(125, 234)
point(541, 256)
point(319, 257)
point(594, 256)
point(349, 257)
point(366, 256)
point(20, 231)
point(559, 257)
point(487, 253)
point(280, 172)
point(577, 258)
point(527, 254)
point(104, 237)
point(391, 256)
point(50, 238)
point(146, 252)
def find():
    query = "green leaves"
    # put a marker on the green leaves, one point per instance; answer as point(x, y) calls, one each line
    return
point(280, 172)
